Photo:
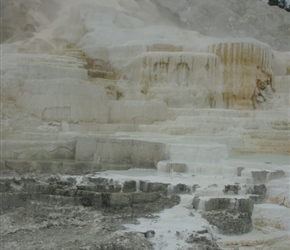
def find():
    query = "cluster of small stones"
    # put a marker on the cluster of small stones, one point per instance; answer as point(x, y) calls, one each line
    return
point(203, 239)
point(99, 193)
point(107, 195)
point(264, 176)
point(230, 215)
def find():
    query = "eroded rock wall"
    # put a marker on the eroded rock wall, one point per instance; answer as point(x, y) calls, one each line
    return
point(247, 71)
point(181, 79)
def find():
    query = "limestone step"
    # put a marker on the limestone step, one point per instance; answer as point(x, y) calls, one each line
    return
point(93, 73)
point(38, 150)
point(115, 151)
point(206, 128)
point(75, 129)
point(197, 153)
point(72, 135)
point(53, 60)
point(80, 128)
point(281, 127)
point(220, 122)
point(35, 66)
point(267, 134)
point(74, 53)
point(49, 166)
point(102, 128)
point(265, 142)
point(43, 136)
point(206, 168)
point(43, 71)
point(262, 150)
point(175, 112)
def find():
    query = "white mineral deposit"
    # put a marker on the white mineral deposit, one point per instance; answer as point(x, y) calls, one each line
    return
point(145, 124)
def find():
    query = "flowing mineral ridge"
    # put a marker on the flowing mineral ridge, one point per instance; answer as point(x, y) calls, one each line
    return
point(144, 124)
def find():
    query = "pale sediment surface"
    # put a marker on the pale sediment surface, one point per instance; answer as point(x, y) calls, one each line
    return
point(144, 125)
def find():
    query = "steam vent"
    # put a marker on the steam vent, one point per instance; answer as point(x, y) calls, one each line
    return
point(145, 124)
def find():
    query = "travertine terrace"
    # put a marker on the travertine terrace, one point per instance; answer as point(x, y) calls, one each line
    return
point(128, 116)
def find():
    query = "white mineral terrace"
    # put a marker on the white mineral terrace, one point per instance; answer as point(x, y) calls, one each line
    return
point(159, 91)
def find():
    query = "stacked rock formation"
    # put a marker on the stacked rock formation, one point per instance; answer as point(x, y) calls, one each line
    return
point(168, 88)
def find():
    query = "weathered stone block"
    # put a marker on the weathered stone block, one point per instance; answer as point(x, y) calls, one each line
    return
point(176, 167)
point(232, 189)
point(278, 174)
point(257, 199)
point(144, 186)
point(181, 188)
point(229, 215)
point(259, 176)
point(240, 170)
point(230, 222)
point(245, 205)
point(101, 188)
point(89, 198)
point(194, 187)
point(86, 188)
point(110, 151)
point(129, 186)
point(260, 189)
point(217, 204)
point(116, 199)
point(99, 180)
point(139, 198)
point(222, 203)
point(259, 192)
point(109, 188)
point(39, 188)
point(153, 187)
point(195, 202)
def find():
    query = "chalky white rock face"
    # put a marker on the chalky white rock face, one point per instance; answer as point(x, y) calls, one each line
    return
point(247, 69)
point(191, 92)
point(181, 79)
